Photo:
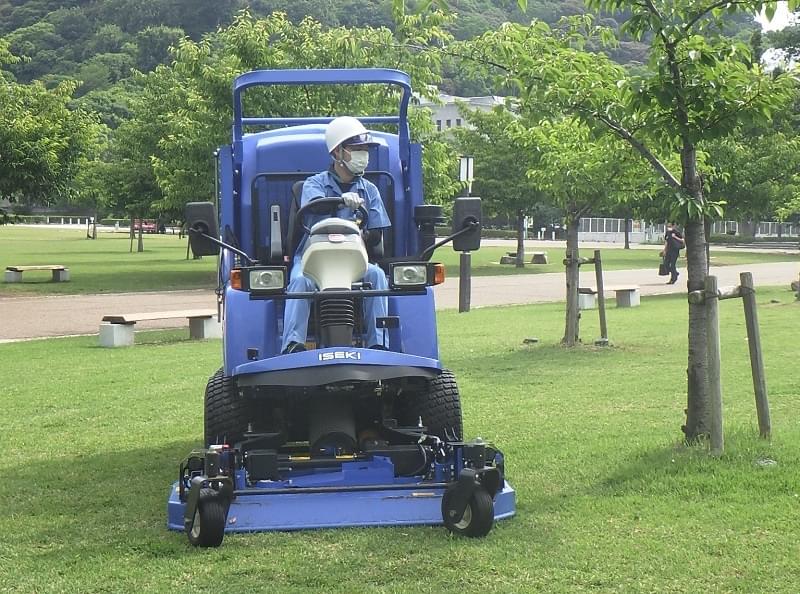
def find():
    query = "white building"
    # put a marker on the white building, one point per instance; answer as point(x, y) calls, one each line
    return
point(446, 113)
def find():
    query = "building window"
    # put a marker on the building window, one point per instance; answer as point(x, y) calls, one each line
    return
point(439, 125)
point(458, 122)
point(448, 123)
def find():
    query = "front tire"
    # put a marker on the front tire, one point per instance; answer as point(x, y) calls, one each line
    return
point(478, 516)
point(208, 526)
point(225, 413)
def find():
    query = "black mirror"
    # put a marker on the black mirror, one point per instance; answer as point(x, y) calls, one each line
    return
point(467, 215)
point(201, 218)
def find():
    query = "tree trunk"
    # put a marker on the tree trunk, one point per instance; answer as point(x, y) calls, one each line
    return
point(707, 229)
point(572, 326)
point(520, 239)
point(132, 235)
point(698, 409)
point(140, 245)
point(698, 422)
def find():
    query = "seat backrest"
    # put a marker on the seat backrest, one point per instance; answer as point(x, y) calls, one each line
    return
point(293, 231)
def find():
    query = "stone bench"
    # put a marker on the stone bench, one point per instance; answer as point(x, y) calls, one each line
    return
point(536, 258)
point(14, 273)
point(626, 296)
point(117, 330)
point(587, 298)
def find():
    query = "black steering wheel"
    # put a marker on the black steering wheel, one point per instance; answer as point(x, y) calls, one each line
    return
point(329, 205)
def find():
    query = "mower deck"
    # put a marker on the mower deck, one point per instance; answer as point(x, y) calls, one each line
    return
point(360, 494)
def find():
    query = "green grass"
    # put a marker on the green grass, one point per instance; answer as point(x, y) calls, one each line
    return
point(106, 265)
point(608, 498)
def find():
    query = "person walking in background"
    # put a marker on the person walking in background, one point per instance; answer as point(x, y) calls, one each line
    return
point(673, 244)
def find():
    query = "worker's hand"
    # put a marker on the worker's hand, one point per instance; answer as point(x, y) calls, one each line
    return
point(352, 200)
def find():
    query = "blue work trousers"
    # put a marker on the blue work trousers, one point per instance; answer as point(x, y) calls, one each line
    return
point(295, 316)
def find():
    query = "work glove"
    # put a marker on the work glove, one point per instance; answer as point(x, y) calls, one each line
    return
point(352, 200)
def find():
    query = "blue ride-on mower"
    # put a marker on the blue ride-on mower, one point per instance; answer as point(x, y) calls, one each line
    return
point(338, 434)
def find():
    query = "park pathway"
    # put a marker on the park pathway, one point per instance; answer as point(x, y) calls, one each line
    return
point(41, 317)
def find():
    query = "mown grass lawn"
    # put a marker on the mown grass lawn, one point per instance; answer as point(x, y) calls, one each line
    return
point(609, 500)
point(106, 265)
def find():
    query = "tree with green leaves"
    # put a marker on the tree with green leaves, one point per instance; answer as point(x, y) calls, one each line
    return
point(184, 110)
point(756, 174)
point(42, 140)
point(698, 85)
point(580, 173)
point(500, 168)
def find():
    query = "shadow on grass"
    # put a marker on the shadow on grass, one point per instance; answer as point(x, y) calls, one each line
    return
point(98, 501)
point(745, 469)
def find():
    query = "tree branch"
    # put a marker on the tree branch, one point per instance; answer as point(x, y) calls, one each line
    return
point(640, 148)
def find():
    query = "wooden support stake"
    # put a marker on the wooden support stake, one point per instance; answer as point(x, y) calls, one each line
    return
point(756, 359)
point(601, 300)
point(714, 379)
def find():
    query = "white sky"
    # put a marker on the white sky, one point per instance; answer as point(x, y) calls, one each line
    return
point(780, 20)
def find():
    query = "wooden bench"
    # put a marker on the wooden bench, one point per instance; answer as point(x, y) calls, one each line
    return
point(14, 273)
point(117, 330)
point(626, 296)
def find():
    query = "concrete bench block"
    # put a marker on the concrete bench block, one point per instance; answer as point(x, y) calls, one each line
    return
point(627, 297)
point(539, 258)
point(13, 276)
point(116, 335)
point(61, 276)
point(587, 301)
point(203, 328)
point(508, 259)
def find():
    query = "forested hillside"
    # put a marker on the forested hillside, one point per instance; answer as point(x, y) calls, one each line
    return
point(100, 42)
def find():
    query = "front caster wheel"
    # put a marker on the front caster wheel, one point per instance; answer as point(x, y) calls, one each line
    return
point(477, 518)
point(208, 526)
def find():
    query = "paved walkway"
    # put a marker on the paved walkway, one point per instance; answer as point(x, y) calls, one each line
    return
point(40, 317)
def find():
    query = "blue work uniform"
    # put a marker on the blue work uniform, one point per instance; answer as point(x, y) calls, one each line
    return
point(295, 317)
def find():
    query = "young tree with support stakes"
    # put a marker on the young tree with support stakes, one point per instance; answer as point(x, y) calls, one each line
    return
point(697, 86)
point(580, 173)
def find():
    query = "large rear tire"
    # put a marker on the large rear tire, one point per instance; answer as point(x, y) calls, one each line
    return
point(225, 418)
point(439, 406)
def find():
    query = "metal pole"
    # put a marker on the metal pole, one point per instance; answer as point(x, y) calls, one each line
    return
point(756, 359)
point(714, 365)
point(601, 300)
point(464, 281)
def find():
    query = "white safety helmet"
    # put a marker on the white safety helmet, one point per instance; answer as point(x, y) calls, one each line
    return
point(346, 130)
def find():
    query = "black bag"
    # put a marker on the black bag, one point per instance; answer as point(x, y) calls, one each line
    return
point(662, 269)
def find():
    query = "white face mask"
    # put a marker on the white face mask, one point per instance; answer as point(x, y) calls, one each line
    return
point(358, 162)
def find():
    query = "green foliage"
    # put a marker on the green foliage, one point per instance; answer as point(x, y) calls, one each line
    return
point(42, 141)
point(697, 85)
point(501, 164)
point(183, 112)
